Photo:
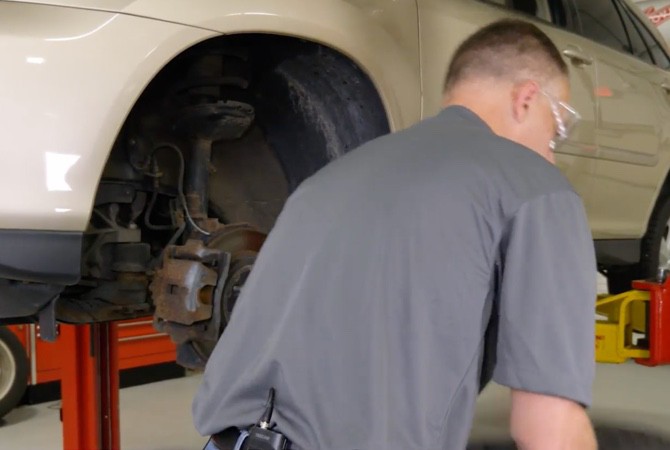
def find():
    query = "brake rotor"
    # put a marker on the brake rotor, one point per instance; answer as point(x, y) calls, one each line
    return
point(243, 242)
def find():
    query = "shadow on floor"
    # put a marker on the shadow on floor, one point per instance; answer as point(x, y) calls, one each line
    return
point(18, 415)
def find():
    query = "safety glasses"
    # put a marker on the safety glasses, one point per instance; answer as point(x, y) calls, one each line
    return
point(565, 116)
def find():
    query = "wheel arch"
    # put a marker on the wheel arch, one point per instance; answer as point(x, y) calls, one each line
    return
point(80, 105)
point(662, 193)
point(298, 45)
point(401, 106)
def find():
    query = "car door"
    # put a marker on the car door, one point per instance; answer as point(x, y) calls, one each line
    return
point(632, 108)
point(627, 127)
point(576, 157)
point(445, 23)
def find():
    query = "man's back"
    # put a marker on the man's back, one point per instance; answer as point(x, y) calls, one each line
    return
point(367, 307)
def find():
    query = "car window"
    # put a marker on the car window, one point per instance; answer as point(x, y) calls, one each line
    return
point(563, 14)
point(601, 22)
point(639, 47)
point(658, 55)
point(537, 8)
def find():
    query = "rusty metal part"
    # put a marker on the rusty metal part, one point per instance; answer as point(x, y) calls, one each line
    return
point(243, 243)
point(202, 112)
point(235, 238)
point(248, 183)
point(198, 178)
point(181, 285)
point(198, 330)
point(80, 310)
point(240, 268)
point(124, 297)
point(205, 124)
point(222, 119)
point(131, 257)
point(194, 203)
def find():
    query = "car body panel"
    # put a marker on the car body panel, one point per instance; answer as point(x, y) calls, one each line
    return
point(65, 109)
point(101, 5)
point(381, 36)
point(618, 154)
point(628, 129)
point(64, 84)
point(442, 32)
point(65, 101)
point(633, 153)
point(377, 34)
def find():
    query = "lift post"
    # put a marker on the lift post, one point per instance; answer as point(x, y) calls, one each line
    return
point(643, 311)
point(90, 387)
point(658, 328)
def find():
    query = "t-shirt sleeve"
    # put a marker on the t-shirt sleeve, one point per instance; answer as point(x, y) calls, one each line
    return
point(546, 300)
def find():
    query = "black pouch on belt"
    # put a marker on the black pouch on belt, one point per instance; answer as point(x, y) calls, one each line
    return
point(262, 436)
point(226, 439)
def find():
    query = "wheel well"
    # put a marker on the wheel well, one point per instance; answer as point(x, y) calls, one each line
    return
point(312, 104)
point(221, 136)
point(664, 192)
point(264, 53)
point(663, 195)
point(637, 252)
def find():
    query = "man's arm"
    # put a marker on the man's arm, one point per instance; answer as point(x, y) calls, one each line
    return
point(545, 341)
point(549, 423)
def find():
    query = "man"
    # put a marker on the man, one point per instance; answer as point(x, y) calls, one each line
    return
point(368, 306)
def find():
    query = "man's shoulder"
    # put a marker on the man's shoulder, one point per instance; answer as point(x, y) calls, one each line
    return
point(455, 143)
point(521, 172)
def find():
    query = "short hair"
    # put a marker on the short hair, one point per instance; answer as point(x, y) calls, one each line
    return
point(506, 49)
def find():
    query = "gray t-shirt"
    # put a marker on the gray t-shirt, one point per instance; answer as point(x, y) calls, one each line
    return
point(368, 305)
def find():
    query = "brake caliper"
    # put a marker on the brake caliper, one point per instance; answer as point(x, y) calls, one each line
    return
point(187, 290)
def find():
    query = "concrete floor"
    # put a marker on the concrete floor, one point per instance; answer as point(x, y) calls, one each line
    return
point(628, 396)
point(154, 416)
point(157, 416)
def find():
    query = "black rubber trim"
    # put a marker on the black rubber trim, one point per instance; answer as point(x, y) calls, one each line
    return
point(24, 300)
point(51, 257)
point(618, 252)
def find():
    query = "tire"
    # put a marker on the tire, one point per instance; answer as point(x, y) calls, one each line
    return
point(13, 371)
point(315, 107)
point(655, 243)
point(608, 439)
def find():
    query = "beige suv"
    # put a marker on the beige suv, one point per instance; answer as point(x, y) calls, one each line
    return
point(148, 146)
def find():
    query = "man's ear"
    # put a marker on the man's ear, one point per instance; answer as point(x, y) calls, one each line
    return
point(523, 94)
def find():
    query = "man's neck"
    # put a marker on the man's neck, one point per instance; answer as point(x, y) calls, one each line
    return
point(481, 101)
